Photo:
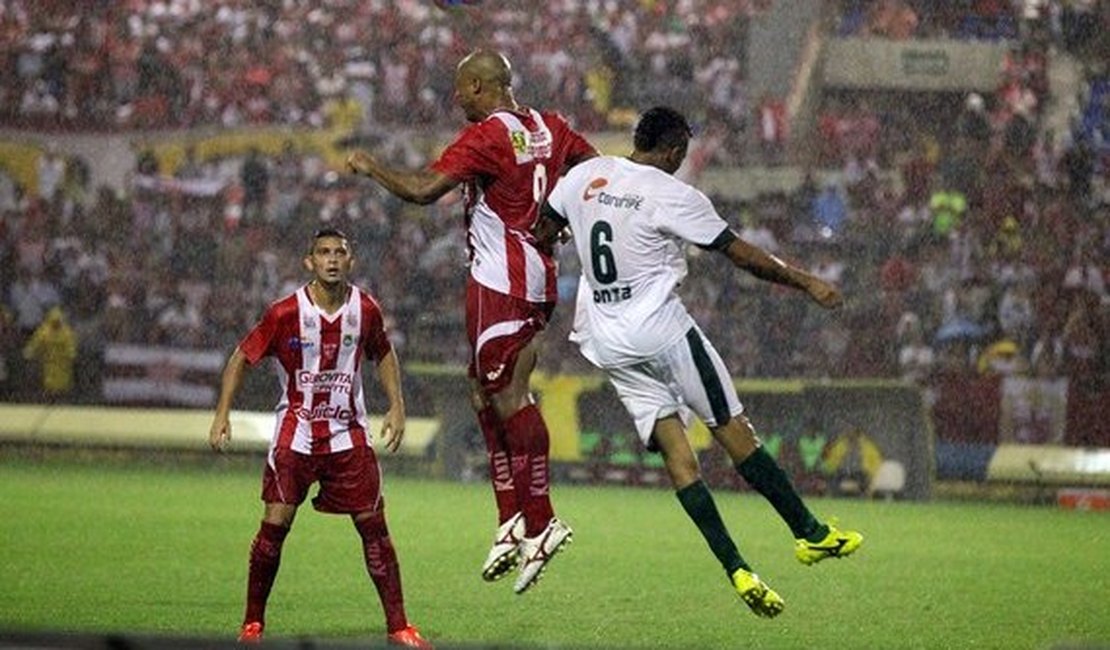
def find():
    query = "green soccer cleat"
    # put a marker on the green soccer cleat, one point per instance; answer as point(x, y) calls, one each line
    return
point(755, 593)
point(837, 543)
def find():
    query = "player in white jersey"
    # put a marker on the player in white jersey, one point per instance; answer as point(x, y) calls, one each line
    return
point(631, 219)
point(319, 336)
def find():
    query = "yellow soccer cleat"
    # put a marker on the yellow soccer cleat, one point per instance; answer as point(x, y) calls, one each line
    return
point(755, 593)
point(837, 543)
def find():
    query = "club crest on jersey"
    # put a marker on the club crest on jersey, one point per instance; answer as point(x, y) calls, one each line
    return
point(520, 142)
point(348, 340)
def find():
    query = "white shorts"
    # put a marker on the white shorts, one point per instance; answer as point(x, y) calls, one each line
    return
point(687, 378)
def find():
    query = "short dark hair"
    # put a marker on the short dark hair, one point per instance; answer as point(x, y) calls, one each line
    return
point(661, 127)
point(327, 231)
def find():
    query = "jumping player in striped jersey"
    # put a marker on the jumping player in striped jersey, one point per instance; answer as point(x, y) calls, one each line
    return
point(631, 220)
point(507, 160)
point(319, 336)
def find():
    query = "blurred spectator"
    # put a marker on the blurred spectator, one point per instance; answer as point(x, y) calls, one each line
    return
point(53, 347)
point(973, 122)
point(255, 177)
point(915, 356)
point(179, 323)
point(772, 130)
point(51, 173)
point(947, 208)
point(829, 210)
point(1003, 358)
point(9, 349)
point(30, 297)
point(893, 19)
point(1082, 340)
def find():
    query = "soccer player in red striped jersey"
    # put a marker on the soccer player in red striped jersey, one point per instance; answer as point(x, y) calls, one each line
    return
point(507, 160)
point(319, 336)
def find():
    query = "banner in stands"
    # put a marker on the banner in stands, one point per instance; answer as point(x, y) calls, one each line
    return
point(151, 375)
point(922, 65)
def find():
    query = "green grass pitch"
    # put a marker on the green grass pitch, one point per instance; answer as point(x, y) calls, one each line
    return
point(164, 551)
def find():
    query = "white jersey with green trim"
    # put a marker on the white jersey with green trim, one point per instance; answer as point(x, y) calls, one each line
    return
point(631, 223)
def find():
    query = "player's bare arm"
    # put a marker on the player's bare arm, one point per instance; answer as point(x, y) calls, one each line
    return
point(550, 229)
point(770, 268)
point(416, 186)
point(220, 433)
point(393, 428)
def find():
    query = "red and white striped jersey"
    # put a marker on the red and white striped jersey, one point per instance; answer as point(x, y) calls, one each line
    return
point(508, 163)
point(319, 359)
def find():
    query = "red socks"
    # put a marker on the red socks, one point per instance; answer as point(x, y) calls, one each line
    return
point(264, 561)
point(529, 443)
point(501, 469)
point(381, 564)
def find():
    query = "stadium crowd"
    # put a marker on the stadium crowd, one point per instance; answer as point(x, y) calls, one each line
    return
point(976, 244)
point(147, 63)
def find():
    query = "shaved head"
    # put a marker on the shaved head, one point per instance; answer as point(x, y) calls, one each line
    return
point(483, 82)
point(488, 66)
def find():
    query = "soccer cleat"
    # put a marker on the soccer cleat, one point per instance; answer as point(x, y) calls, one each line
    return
point(251, 634)
point(409, 637)
point(505, 554)
point(755, 593)
point(837, 543)
point(536, 552)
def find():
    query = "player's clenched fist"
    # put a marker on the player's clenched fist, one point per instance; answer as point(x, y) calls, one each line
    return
point(824, 294)
point(219, 434)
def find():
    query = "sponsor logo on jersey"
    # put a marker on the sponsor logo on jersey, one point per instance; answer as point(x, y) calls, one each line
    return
point(325, 412)
point(325, 381)
point(626, 202)
point(539, 144)
point(595, 184)
point(614, 294)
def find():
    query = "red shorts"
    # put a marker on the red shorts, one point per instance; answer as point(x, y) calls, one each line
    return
point(497, 327)
point(350, 480)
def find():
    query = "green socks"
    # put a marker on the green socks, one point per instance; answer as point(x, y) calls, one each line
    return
point(762, 472)
point(698, 503)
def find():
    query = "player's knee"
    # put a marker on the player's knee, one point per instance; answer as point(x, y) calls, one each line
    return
point(737, 437)
point(682, 466)
point(371, 524)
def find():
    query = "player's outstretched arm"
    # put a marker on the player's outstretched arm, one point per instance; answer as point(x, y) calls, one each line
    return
point(220, 433)
point(770, 268)
point(421, 186)
point(393, 428)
